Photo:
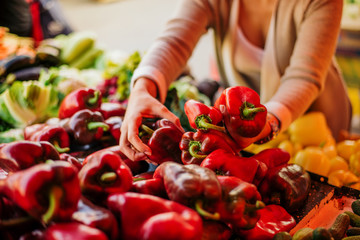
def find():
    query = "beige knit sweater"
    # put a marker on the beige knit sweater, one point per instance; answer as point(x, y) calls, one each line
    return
point(298, 72)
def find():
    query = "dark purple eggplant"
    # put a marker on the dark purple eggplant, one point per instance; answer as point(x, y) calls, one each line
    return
point(31, 73)
point(15, 63)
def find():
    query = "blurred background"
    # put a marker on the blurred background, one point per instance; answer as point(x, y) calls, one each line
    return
point(131, 25)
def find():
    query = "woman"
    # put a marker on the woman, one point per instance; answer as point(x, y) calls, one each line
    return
point(283, 49)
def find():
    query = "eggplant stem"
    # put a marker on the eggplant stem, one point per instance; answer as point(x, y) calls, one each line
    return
point(108, 177)
point(93, 100)
point(60, 149)
point(194, 147)
point(96, 125)
point(55, 196)
point(199, 208)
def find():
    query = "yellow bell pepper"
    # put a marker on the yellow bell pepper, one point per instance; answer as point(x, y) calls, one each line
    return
point(345, 148)
point(288, 146)
point(341, 178)
point(338, 163)
point(354, 163)
point(310, 129)
point(313, 159)
point(356, 147)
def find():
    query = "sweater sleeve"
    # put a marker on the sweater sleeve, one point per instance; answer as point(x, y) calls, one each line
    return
point(169, 54)
point(304, 78)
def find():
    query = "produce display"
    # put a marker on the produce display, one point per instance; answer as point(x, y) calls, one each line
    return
point(63, 174)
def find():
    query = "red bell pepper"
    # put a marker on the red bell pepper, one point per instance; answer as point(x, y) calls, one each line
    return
point(286, 185)
point(136, 167)
point(273, 157)
point(112, 109)
point(244, 115)
point(56, 135)
point(196, 146)
point(273, 219)
point(240, 203)
point(115, 127)
point(152, 186)
point(216, 230)
point(71, 159)
point(102, 174)
point(97, 217)
point(73, 230)
point(149, 217)
point(85, 126)
point(190, 185)
point(46, 191)
point(163, 138)
point(23, 154)
point(203, 117)
point(82, 98)
point(228, 164)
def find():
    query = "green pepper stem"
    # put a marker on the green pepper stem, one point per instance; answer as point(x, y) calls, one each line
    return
point(93, 100)
point(147, 129)
point(14, 221)
point(199, 208)
point(55, 196)
point(60, 149)
point(248, 110)
point(96, 125)
point(136, 179)
point(204, 124)
point(108, 177)
point(194, 147)
point(253, 207)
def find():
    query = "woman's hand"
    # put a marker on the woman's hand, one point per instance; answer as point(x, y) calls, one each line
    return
point(142, 103)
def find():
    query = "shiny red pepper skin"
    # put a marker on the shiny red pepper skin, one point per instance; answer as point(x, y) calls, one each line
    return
point(163, 138)
point(85, 127)
point(71, 159)
point(45, 187)
point(215, 230)
point(56, 135)
point(97, 217)
point(286, 185)
point(23, 154)
point(244, 115)
point(73, 230)
point(273, 219)
point(102, 174)
point(240, 203)
point(149, 217)
point(195, 146)
point(112, 109)
point(228, 164)
point(273, 157)
point(115, 127)
point(203, 117)
point(83, 98)
point(152, 186)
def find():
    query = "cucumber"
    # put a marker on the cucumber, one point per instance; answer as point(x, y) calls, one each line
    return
point(340, 225)
point(303, 234)
point(354, 219)
point(282, 236)
point(355, 206)
point(321, 233)
point(354, 231)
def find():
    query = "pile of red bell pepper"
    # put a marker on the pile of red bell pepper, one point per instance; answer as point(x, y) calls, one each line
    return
point(195, 185)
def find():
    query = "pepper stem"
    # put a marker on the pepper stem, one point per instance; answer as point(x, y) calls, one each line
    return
point(248, 110)
point(93, 100)
point(55, 196)
point(204, 122)
point(257, 206)
point(147, 129)
point(136, 179)
point(194, 147)
point(96, 125)
point(108, 177)
point(60, 149)
point(199, 208)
